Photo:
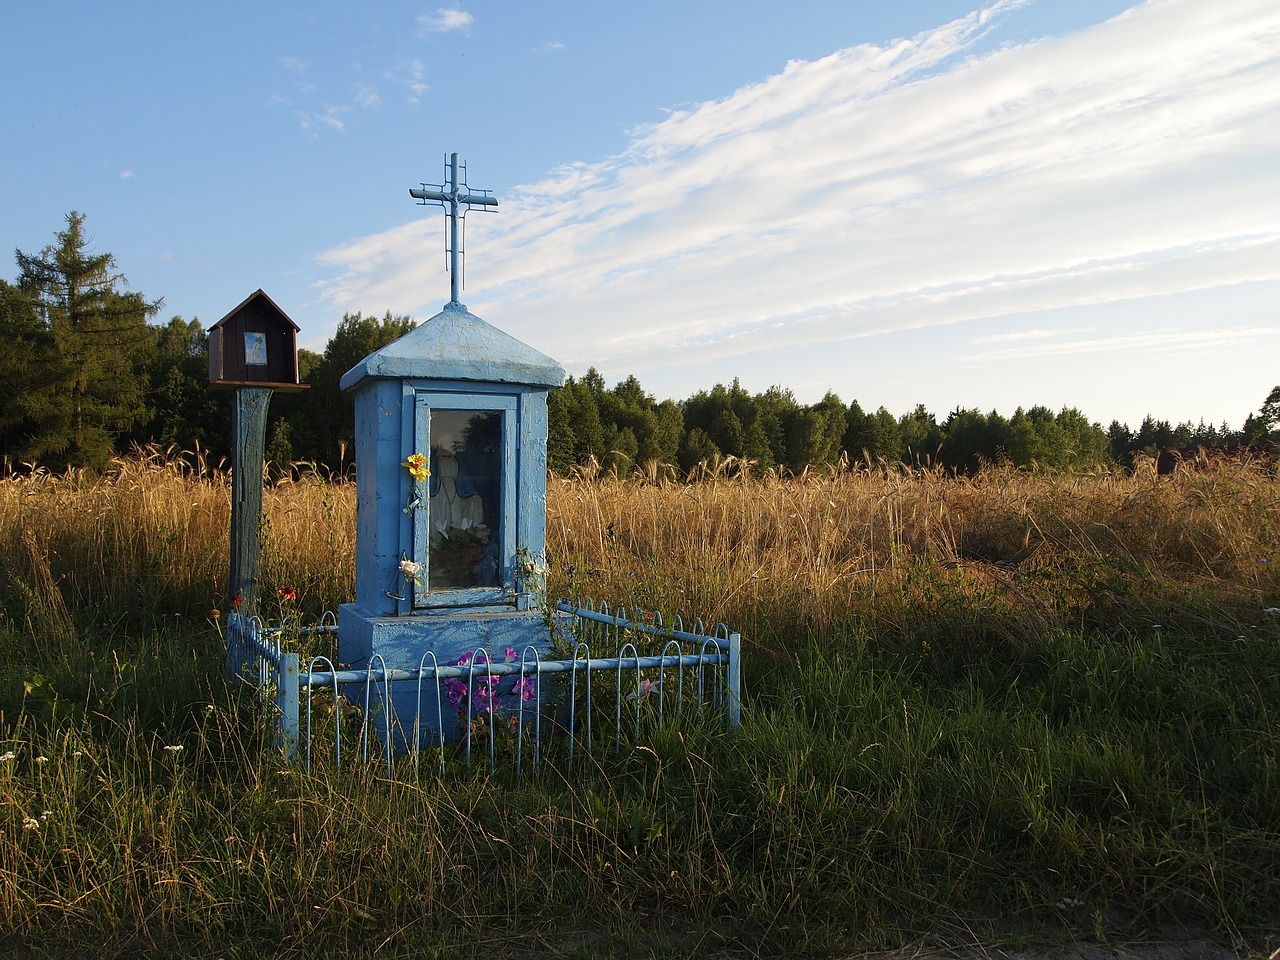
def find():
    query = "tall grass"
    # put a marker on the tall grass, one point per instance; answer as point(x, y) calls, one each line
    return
point(975, 708)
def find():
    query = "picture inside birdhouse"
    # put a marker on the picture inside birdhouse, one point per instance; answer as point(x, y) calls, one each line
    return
point(255, 349)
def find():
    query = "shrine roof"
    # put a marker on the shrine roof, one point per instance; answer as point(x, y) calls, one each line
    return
point(455, 344)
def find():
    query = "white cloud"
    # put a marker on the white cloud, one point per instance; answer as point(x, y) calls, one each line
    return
point(127, 175)
point(1158, 341)
point(445, 20)
point(551, 46)
point(1020, 335)
point(367, 97)
point(328, 119)
point(413, 75)
point(889, 188)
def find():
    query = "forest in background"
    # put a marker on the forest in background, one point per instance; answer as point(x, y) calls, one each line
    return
point(85, 374)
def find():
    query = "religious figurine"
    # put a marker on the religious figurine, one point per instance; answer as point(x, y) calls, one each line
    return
point(453, 514)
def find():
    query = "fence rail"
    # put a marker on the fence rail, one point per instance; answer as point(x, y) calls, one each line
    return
point(703, 666)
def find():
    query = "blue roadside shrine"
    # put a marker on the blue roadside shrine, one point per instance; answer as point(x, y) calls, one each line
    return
point(451, 483)
point(449, 558)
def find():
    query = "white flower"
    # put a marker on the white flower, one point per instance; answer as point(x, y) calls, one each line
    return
point(29, 824)
point(46, 814)
point(42, 759)
point(7, 755)
point(1272, 611)
point(173, 748)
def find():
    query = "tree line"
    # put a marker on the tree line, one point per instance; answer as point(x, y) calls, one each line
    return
point(85, 375)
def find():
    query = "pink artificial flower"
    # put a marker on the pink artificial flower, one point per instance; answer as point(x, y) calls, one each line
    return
point(455, 690)
point(526, 688)
point(510, 654)
point(486, 698)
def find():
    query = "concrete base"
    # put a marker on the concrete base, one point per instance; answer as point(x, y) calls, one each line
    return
point(402, 642)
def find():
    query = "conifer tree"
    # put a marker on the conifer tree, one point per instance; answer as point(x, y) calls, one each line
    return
point(21, 339)
point(88, 385)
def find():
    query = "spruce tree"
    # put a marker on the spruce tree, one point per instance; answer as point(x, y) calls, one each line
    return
point(89, 384)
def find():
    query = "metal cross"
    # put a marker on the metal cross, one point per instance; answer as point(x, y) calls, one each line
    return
point(451, 195)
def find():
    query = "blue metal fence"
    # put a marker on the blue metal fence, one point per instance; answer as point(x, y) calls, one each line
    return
point(654, 674)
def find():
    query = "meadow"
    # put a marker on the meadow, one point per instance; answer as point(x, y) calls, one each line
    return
point(997, 711)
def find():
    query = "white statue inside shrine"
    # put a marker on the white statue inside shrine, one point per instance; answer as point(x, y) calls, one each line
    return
point(452, 513)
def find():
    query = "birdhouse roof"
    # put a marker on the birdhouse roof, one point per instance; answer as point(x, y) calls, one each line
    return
point(267, 302)
point(455, 344)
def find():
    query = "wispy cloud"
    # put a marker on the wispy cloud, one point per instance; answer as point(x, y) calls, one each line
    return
point(551, 46)
point(331, 118)
point(889, 188)
point(412, 75)
point(1022, 335)
point(445, 20)
point(127, 175)
point(1157, 341)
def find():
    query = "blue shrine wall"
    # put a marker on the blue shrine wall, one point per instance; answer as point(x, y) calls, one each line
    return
point(455, 361)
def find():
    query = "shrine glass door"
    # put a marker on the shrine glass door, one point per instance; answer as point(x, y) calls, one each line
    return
point(463, 523)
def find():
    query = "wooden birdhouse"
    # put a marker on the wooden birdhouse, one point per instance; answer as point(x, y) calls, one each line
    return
point(255, 345)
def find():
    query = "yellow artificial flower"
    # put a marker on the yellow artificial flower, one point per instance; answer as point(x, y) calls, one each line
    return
point(417, 466)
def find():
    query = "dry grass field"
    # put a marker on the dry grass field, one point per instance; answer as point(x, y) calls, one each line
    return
point(975, 707)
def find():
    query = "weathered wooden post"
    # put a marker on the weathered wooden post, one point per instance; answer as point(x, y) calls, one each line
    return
point(253, 350)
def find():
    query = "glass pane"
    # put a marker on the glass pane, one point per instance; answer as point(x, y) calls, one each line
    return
point(466, 487)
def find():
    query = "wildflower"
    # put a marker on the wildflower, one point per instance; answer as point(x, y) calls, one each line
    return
point(215, 614)
point(526, 688)
point(531, 568)
point(7, 755)
point(45, 815)
point(42, 759)
point(645, 688)
point(237, 602)
point(417, 466)
point(29, 824)
point(173, 748)
point(287, 593)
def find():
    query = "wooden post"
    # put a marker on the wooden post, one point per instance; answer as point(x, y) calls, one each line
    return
point(248, 443)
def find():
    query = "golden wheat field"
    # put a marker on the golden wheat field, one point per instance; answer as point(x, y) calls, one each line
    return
point(780, 554)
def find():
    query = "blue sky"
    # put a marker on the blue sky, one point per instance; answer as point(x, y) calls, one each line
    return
point(950, 203)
